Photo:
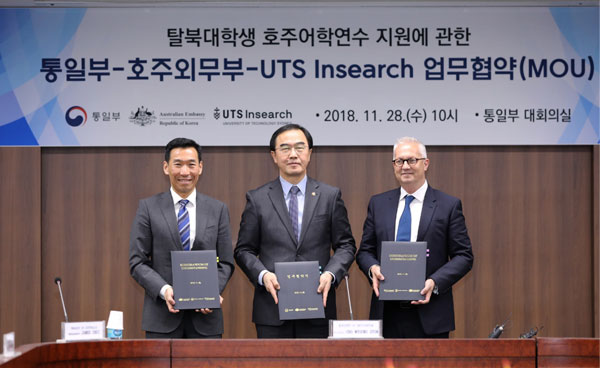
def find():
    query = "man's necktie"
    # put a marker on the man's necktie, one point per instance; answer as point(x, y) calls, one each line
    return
point(405, 221)
point(293, 209)
point(183, 223)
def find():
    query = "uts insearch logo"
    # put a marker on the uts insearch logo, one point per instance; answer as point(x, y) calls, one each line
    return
point(78, 119)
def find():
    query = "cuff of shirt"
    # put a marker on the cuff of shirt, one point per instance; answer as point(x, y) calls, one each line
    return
point(260, 277)
point(163, 290)
point(436, 289)
point(333, 277)
point(370, 274)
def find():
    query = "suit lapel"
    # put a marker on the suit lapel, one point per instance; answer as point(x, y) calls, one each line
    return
point(391, 211)
point(429, 206)
point(201, 219)
point(278, 201)
point(168, 211)
point(311, 198)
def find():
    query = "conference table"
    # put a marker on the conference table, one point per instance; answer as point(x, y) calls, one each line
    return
point(388, 353)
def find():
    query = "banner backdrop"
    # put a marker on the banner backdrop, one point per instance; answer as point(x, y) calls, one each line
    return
point(353, 75)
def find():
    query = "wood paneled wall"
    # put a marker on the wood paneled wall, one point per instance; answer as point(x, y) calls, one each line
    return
point(532, 214)
point(20, 245)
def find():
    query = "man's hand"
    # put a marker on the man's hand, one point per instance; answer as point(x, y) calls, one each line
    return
point(270, 283)
point(376, 276)
point(324, 286)
point(427, 290)
point(170, 300)
point(208, 310)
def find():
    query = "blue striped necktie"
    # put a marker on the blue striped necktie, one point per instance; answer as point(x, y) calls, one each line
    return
point(405, 221)
point(183, 224)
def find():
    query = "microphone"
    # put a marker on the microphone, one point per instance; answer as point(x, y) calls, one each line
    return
point(531, 333)
point(58, 281)
point(348, 292)
point(497, 331)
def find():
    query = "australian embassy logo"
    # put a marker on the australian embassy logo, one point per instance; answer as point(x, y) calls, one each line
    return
point(76, 116)
point(142, 116)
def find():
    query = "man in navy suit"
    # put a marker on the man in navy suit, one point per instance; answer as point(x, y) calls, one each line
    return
point(270, 231)
point(434, 217)
point(155, 232)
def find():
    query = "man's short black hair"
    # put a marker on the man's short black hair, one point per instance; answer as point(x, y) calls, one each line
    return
point(182, 143)
point(287, 127)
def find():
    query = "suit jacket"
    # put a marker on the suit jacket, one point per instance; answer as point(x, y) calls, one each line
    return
point(442, 226)
point(154, 235)
point(266, 237)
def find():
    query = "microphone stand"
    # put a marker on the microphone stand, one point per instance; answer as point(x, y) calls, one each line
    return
point(58, 282)
point(349, 300)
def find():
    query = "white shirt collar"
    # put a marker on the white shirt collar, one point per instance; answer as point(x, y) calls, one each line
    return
point(419, 194)
point(176, 197)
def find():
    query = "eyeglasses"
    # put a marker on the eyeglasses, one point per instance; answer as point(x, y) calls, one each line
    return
point(286, 149)
point(399, 162)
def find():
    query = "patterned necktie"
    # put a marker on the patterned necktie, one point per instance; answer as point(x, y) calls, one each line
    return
point(405, 221)
point(293, 209)
point(183, 224)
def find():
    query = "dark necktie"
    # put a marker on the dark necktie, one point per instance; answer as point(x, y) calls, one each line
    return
point(405, 221)
point(183, 224)
point(293, 209)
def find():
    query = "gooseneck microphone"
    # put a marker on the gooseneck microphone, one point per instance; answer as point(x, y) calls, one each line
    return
point(58, 281)
point(349, 301)
point(497, 331)
point(531, 333)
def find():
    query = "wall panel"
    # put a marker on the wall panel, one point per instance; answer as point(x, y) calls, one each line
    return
point(20, 231)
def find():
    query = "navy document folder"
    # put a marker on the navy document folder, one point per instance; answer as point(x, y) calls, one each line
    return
point(403, 266)
point(195, 279)
point(298, 297)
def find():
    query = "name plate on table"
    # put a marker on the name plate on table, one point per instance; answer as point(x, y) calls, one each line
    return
point(82, 331)
point(195, 279)
point(355, 329)
point(298, 297)
point(403, 266)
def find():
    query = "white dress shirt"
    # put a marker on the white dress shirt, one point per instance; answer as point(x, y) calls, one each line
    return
point(416, 207)
point(191, 208)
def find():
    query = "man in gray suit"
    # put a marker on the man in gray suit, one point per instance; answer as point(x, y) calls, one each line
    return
point(293, 218)
point(179, 219)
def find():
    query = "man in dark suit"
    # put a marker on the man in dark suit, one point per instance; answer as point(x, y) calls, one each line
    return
point(416, 212)
point(179, 219)
point(293, 218)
